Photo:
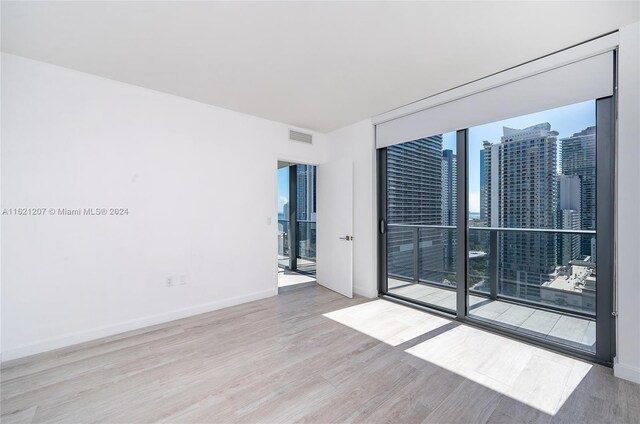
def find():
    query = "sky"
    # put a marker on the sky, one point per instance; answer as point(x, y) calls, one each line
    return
point(566, 120)
point(283, 187)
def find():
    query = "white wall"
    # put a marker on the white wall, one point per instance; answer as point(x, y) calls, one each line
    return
point(356, 142)
point(199, 183)
point(628, 218)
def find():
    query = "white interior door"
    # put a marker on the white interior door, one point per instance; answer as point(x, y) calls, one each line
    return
point(334, 267)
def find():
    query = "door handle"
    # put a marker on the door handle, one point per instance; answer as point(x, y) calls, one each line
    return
point(347, 238)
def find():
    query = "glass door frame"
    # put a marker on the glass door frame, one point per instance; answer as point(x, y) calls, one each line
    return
point(605, 243)
point(293, 220)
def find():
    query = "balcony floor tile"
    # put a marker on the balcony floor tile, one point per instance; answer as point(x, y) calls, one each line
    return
point(556, 326)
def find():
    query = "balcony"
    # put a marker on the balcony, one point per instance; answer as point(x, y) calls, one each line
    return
point(306, 245)
point(533, 281)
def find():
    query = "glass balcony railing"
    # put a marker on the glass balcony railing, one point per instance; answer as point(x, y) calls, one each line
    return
point(547, 268)
point(283, 243)
point(307, 240)
point(306, 243)
point(422, 253)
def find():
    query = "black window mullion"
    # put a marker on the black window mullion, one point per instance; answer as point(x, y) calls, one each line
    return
point(461, 225)
point(605, 193)
point(293, 217)
point(382, 220)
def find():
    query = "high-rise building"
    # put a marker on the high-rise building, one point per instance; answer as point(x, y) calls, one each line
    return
point(569, 204)
point(306, 210)
point(306, 192)
point(569, 193)
point(449, 187)
point(483, 188)
point(491, 172)
point(578, 157)
point(568, 244)
point(521, 190)
point(414, 182)
point(449, 207)
point(414, 197)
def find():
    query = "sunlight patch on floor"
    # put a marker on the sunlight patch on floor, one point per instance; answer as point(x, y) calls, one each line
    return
point(290, 278)
point(534, 376)
point(386, 321)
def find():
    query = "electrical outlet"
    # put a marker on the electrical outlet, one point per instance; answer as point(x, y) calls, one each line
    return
point(169, 281)
point(183, 280)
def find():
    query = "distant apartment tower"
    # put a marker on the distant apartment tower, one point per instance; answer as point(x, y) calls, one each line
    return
point(449, 207)
point(306, 192)
point(521, 190)
point(491, 177)
point(414, 197)
point(569, 205)
point(568, 244)
point(449, 187)
point(483, 188)
point(414, 182)
point(306, 210)
point(578, 157)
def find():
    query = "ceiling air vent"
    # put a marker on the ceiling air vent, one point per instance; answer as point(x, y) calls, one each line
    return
point(300, 136)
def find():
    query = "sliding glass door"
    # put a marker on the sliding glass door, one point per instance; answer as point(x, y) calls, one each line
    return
point(421, 217)
point(532, 182)
point(297, 217)
point(507, 225)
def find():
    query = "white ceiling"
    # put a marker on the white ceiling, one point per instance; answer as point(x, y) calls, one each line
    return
point(319, 66)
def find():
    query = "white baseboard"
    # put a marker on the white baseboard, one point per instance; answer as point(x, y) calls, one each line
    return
point(366, 292)
point(626, 372)
point(110, 330)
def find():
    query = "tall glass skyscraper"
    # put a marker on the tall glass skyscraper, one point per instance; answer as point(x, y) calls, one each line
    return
point(483, 188)
point(569, 205)
point(306, 191)
point(449, 207)
point(414, 196)
point(578, 157)
point(521, 192)
point(306, 210)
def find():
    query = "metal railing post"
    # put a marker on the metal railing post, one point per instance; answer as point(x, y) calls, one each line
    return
point(493, 264)
point(416, 254)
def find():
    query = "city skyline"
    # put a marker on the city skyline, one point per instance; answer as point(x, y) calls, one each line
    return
point(306, 191)
point(566, 120)
point(534, 177)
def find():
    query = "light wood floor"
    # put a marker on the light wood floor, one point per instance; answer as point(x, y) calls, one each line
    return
point(310, 355)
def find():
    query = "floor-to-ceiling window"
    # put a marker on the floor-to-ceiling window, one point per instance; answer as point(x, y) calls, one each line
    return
point(421, 220)
point(507, 223)
point(532, 232)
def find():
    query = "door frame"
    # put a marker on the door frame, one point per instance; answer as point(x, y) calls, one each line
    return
point(292, 210)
